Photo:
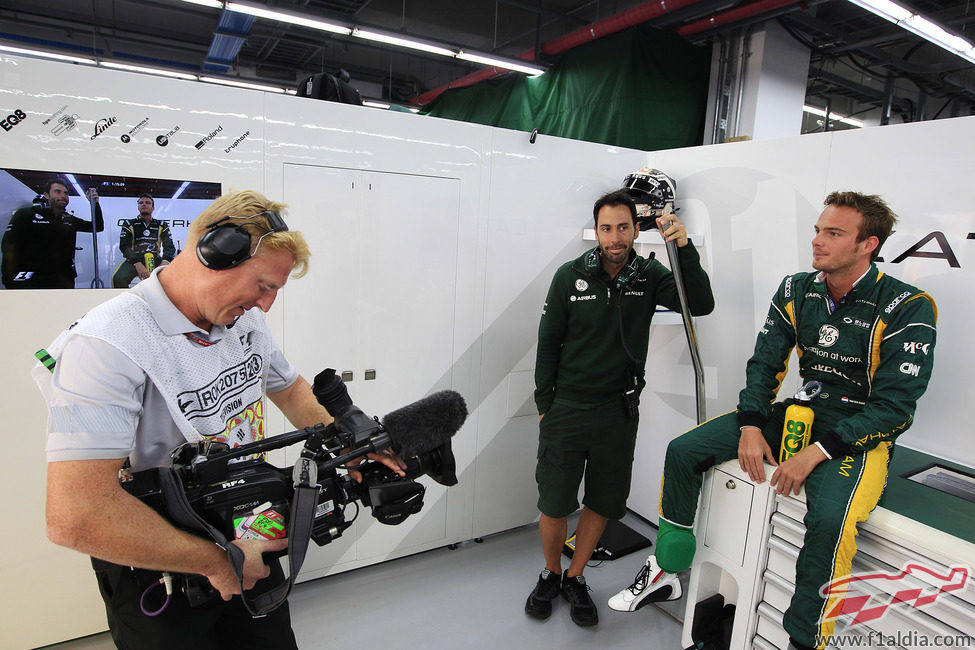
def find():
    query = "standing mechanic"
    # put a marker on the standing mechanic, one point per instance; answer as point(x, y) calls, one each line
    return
point(870, 340)
point(39, 243)
point(592, 344)
point(144, 372)
point(143, 240)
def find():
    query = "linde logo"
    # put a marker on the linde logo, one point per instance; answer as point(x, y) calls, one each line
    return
point(237, 141)
point(102, 125)
point(207, 138)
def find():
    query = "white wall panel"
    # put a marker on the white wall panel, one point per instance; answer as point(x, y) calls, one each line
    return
point(540, 200)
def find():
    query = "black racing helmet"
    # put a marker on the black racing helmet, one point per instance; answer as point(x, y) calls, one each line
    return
point(653, 189)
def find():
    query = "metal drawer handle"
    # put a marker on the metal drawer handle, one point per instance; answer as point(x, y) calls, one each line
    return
point(731, 485)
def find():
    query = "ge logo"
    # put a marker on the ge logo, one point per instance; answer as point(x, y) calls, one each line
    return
point(125, 138)
point(828, 335)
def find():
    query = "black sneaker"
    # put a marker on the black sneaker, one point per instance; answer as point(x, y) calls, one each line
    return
point(581, 608)
point(539, 603)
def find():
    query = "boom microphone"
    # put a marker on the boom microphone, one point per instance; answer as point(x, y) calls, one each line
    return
point(425, 424)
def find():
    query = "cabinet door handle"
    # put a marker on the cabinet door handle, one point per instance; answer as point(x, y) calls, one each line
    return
point(731, 485)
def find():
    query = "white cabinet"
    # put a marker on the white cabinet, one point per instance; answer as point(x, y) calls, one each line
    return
point(727, 525)
point(731, 531)
point(378, 303)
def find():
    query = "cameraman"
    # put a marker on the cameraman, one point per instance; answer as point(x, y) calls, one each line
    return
point(183, 356)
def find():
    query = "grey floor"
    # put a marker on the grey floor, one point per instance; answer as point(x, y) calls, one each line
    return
point(471, 597)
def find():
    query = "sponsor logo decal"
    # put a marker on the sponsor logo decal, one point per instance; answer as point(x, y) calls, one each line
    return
point(163, 140)
point(65, 123)
point(102, 125)
point(896, 302)
point(591, 296)
point(202, 143)
point(828, 335)
point(236, 142)
point(55, 114)
point(913, 347)
point(127, 137)
point(13, 119)
point(856, 321)
point(581, 285)
point(909, 368)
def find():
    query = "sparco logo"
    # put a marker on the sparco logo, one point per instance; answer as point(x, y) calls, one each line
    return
point(102, 125)
point(12, 120)
point(788, 287)
point(207, 138)
point(207, 400)
point(237, 141)
point(163, 140)
point(896, 302)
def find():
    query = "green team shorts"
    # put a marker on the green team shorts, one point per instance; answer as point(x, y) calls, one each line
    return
point(596, 443)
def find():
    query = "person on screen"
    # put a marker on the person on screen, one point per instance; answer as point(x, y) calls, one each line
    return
point(39, 243)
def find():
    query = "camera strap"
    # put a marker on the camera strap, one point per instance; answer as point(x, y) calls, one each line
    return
point(299, 534)
point(300, 522)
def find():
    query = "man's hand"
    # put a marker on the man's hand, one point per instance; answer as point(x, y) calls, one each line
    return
point(752, 452)
point(92, 194)
point(387, 458)
point(141, 269)
point(675, 231)
point(791, 474)
point(222, 576)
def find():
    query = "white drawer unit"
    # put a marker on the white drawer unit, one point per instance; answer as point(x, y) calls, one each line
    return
point(748, 544)
point(883, 552)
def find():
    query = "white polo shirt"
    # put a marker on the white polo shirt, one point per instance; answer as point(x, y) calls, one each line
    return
point(135, 378)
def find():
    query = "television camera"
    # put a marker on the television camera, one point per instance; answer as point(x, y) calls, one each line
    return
point(234, 494)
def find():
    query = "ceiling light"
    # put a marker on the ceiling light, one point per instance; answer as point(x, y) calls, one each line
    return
point(834, 117)
point(293, 19)
point(216, 4)
point(531, 70)
point(402, 42)
point(918, 24)
point(155, 71)
point(241, 84)
point(373, 104)
point(47, 55)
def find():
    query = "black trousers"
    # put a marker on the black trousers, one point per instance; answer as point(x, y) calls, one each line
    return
point(215, 624)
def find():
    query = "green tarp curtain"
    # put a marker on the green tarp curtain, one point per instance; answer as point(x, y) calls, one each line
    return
point(640, 88)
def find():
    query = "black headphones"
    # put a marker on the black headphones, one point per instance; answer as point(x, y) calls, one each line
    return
point(225, 245)
point(634, 268)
